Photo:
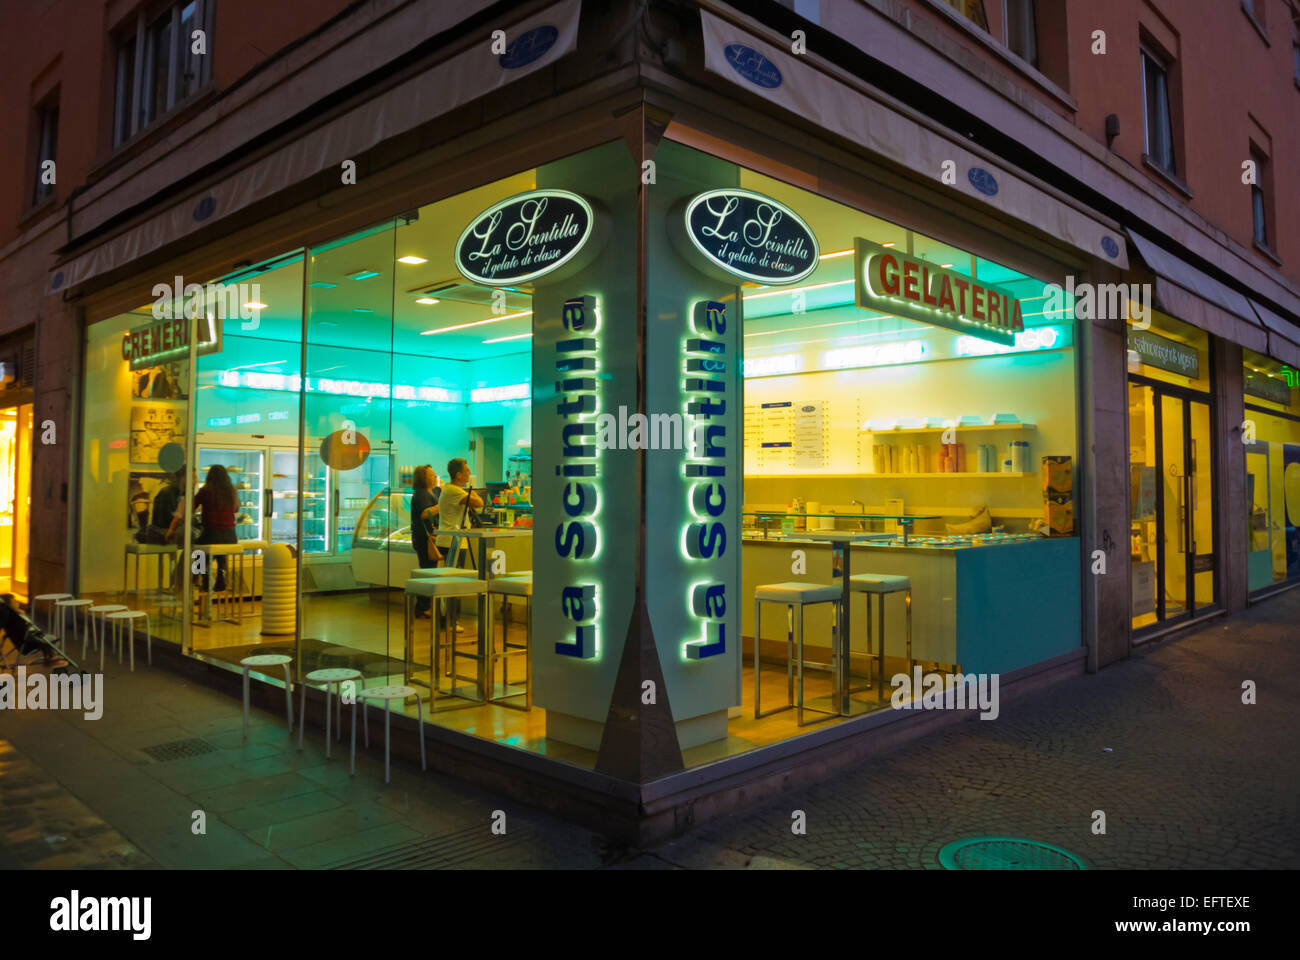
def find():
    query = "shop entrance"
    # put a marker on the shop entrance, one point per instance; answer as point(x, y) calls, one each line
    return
point(1171, 473)
point(15, 497)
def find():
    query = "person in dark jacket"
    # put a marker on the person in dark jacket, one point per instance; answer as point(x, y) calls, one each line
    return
point(424, 520)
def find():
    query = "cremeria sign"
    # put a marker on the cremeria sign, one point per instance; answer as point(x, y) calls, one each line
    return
point(890, 281)
point(526, 237)
point(744, 234)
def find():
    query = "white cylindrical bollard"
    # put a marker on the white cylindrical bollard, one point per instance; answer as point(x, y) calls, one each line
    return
point(279, 590)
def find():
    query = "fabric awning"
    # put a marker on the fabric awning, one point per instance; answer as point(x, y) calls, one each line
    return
point(836, 104)
point(535, 43)
point(1283, 336)
point(1191, 295)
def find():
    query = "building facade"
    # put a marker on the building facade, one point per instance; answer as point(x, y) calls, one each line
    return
point(993, 303)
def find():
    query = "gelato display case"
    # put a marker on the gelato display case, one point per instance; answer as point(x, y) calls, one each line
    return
point(382, 554)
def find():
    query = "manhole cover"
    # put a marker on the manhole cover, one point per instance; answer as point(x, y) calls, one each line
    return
point(1006, 853)
point(178, 749)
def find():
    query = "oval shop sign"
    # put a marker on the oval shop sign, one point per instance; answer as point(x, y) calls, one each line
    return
point(528, 46)
point(752, 65)
point(524, 237)
point(751, 236)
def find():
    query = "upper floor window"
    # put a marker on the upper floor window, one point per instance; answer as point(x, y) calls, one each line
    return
point(163, 57)
point(1022, 30)
point(1295, 43)
point(1259, 196)
point(1157, 112)
point(46, 131)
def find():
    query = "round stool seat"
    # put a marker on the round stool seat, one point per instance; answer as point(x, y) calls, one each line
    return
point(263, 659)
point(222, 549)
point(513, 586)
point(391, 692)
point(332, 675)
point(126, 615)
point(253, 545)
point(51, 596)
point(446, 587)
point(428, 573)
point(151, 547)
point(74, 603)
point(107, 608)
point(795, 592)
point(879, 583)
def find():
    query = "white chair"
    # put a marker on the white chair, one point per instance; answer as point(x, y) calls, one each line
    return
point(70, 604)
point(511, 585)
point(51, 599)
point(388, 695)
point(268, 660)
point(99, 626)
point(794, 596)
point(881, 585)
point(329, 677)
point(128, 618)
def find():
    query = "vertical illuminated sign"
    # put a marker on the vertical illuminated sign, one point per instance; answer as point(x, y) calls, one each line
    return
point(705, 474)
point(577, 537)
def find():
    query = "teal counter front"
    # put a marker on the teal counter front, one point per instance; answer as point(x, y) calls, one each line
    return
point(988, 608)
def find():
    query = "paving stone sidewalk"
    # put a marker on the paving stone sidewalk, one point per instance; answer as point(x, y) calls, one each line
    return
point(1185, 773)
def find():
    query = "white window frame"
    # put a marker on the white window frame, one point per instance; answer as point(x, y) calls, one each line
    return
point(1147, 54)
point(140, 98)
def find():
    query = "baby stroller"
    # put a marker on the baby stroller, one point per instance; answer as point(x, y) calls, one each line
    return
point(27, 643)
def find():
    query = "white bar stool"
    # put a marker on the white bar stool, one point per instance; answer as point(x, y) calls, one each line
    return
point(511, 585)
point(881, 585)
point(63, 606)
point(388, 695)
point(330, 676)
point(268, 660)
point(128, 618)
point(51, 599)
point(99, 626)
point(234, 553)
point(795, 596)
point(439, 589)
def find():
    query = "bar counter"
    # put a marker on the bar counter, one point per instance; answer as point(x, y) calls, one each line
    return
point(986, 604)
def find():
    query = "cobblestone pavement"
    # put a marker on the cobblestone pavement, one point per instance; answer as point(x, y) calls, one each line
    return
point(1185, 773)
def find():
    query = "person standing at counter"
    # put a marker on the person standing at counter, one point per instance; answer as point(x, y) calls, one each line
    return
point(219, 504)
point(424, 520)
point(457, 497)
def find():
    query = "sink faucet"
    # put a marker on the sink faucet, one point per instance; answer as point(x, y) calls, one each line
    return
point(862, 524)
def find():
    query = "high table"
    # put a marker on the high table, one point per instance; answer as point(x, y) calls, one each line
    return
point(840, 541)
point(485, 536)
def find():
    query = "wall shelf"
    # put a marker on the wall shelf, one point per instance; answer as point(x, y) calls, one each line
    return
point(959, 429)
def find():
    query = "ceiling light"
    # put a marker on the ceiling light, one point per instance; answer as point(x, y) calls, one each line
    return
point(889, 244)
point(322, 285)
point(945, 266)
point(837, 253)
point(363, 274)
point(412, 259)
point(814, 286)
point(476, 323)
point(362, 310)
point(428, 300)
point(254, 305)
point(517, 336)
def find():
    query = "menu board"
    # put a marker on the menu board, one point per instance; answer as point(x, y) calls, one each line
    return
point(787, 433)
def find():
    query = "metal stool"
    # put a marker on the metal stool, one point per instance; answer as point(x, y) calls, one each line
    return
point(138, 550)
point(97, 633)
point(793, 595)
point(234, 599)
point(268, 660)
point(129, 617)
point(511, 585)
point(329, 677)
point(52, 599)
point(881, 585)
point(388, 695)
point(429, 573)
point(63, 606)
point(439, 589)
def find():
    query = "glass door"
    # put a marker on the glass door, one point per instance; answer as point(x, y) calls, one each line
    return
point(356, 488)
point(1172, 550)
point(245, 469)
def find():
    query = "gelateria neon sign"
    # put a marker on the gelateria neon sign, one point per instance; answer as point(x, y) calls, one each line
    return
point(577, 537)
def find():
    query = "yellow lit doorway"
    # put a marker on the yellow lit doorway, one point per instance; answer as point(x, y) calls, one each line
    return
point(15, 497)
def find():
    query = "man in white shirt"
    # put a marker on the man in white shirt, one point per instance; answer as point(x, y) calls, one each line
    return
point(457, 496)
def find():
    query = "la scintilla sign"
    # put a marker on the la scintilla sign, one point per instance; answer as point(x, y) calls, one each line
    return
point(525, 237)
point(733, 233)
point(901, 285)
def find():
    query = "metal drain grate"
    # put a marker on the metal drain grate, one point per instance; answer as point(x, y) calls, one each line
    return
point(178, 749)
point(1007, 853)
point(434, 853)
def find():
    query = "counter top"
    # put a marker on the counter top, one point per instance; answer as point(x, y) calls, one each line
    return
point(917, 543)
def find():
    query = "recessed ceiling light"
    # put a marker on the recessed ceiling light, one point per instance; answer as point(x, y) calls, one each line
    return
point(945, 266)
point(254, 305)
point(427, 300)
point(322, 285)
point(833, 255)
point(411, 259)
point(889, 244)
point(363, 274)
point(362, 310)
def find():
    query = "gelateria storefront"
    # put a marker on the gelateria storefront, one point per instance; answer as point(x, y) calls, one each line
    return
point(863, 436)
